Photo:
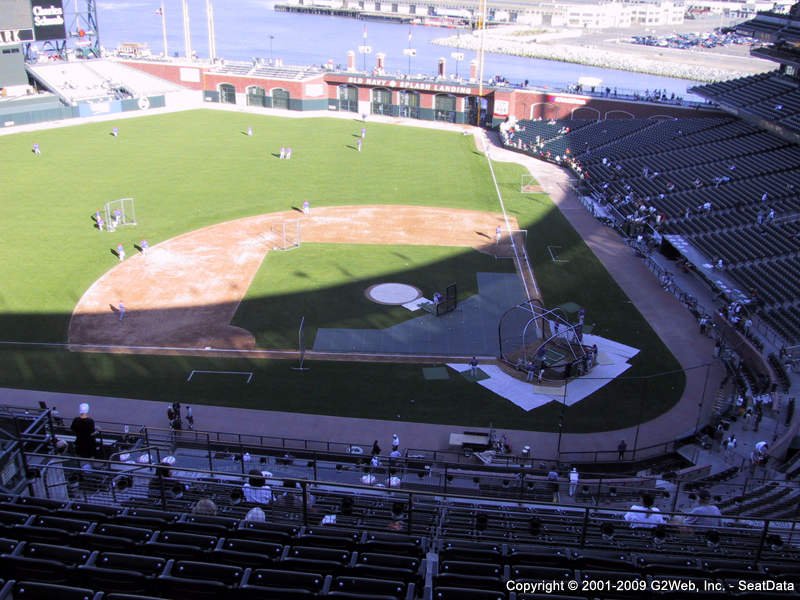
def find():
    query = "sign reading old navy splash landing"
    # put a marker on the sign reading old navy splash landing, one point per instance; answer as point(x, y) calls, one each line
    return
point(48, 19)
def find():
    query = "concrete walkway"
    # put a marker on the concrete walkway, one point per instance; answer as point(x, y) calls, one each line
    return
point(675, 326)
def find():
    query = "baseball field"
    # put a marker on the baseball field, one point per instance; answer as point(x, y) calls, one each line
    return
point(414, 206)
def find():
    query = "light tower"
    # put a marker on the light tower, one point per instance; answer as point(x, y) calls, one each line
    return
point(80, 31)
point(482, 10)
point(187, 34)
point(212, 37)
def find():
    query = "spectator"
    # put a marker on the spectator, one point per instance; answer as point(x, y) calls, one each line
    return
point(395, 442)
point(398, 510)
point(376, 449)
point(345, 511)
point(164, 486)
point(205, 506)
point(255, 514)
point(759, 454)
point(573, 481)
point(291, 495)
point(255, 489)
point(83, 428)
point(704, 514)
point(621, 449)
point(552, 477)
point(646, 515)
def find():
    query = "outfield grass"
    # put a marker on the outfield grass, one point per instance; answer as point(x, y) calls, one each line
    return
point(339, 274)
point(162, 161)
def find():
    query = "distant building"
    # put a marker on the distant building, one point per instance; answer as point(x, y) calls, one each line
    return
point(582, 14)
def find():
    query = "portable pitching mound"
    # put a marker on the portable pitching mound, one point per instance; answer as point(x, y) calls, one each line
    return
point(533, 335)
point(120, 212)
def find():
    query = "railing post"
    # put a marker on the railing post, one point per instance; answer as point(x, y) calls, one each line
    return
point(757, 557)
point(304, 487)
point(210, 457)
point(241, 455)
point(675, 495)
point(410, 511)
point(445, 478)
point(585, 527)
point(315, 466)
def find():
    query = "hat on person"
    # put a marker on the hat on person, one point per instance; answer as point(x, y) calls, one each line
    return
point(83, 408)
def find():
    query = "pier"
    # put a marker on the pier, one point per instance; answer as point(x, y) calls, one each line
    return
point(353, 13)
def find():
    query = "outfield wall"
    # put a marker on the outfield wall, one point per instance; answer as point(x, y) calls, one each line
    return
point(50, 108)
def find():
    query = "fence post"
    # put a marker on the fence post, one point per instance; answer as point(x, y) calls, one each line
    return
point(210, 457)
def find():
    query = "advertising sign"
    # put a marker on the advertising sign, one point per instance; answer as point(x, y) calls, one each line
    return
point(48, 19)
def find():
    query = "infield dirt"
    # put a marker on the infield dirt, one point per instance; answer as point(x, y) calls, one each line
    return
point(185, 291)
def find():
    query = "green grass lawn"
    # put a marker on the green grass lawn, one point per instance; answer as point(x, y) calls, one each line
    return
point(193, 169)
point(339, 274)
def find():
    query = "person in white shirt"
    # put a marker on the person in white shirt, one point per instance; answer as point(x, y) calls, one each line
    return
point(646, 515)
point(573, 481)
point(256, 489)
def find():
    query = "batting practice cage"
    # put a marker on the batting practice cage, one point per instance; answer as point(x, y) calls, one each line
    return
point(532, 336)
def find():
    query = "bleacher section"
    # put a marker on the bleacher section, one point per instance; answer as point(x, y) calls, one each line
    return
point(772, 96)
point(259, 69)
point(98, 530)
point(97, 81)
point(671, 168)
point(468, 548)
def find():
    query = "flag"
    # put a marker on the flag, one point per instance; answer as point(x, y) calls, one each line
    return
point(159, 12)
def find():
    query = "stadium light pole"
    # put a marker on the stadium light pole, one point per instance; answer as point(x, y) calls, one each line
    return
point(271, 37)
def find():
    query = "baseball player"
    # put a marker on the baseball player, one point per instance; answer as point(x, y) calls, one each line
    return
point(100, 222)
point(250, 131)
point(121, 310)
point(121, 252)
point(36, 149)
point(288, 153)
point(498, 233)
point(359, 144)
point(144, 245)
point(283, 152)
point(363, 132)
point(306, 208)
point(117, 217)
point(115, 131)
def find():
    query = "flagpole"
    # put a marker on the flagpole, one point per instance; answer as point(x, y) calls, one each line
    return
point(409, 52)
point(364, 54)
point(164, 29)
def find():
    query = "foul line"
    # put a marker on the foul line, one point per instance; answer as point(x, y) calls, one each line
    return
point(248, 373)
point(508, 227)
point(267, 352)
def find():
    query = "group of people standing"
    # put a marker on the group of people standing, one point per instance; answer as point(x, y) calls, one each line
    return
point(175, 419)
